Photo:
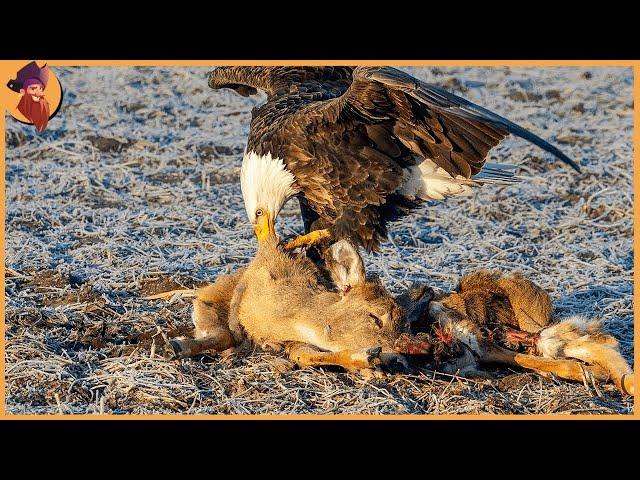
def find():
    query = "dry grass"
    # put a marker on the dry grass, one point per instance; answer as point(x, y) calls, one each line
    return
point(134, 190)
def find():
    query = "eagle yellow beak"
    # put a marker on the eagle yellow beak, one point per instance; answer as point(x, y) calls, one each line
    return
point(264, 227)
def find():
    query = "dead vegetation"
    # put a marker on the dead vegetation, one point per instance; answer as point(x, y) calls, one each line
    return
point(122, 198)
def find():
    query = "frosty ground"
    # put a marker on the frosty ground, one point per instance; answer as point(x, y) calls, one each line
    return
point(133, 189)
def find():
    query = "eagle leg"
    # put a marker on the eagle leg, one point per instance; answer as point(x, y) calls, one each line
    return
point(310, 239)
point(311, 220)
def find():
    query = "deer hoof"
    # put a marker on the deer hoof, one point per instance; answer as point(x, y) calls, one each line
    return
point(365, 359)
point(626, 384)
point(391, 358)
point(373, 355)
point(178, 351)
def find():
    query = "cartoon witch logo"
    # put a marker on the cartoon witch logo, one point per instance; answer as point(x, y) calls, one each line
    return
point(31, 83)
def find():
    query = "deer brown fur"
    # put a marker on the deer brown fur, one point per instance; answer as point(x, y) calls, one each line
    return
point(489, 310)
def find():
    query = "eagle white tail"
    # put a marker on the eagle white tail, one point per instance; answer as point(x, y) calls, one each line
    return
point(428, 181)
point(497, 173)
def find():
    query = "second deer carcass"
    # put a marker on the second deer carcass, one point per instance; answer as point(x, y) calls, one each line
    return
point(489, 311)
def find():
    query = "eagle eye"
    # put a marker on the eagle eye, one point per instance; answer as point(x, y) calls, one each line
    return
point(259, 212)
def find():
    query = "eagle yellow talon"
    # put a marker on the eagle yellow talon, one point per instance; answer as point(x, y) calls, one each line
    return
point(308, 240)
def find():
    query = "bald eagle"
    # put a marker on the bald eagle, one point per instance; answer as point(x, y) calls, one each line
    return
point(360, 147)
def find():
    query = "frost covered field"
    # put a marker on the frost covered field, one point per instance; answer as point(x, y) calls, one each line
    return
point(133, 189)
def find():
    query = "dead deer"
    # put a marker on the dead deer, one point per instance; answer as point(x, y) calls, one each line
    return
point(281, 299)
point(489, 311)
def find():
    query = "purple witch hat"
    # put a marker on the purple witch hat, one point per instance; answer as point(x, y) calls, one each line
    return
point(29, 74)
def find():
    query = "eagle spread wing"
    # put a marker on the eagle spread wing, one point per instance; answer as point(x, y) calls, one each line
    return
point(433, 123)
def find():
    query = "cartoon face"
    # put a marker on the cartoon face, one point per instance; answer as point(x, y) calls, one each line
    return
point(36, 91)
point(34, 105)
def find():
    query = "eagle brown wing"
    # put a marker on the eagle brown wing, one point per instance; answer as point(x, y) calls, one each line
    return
point(433, 123)
point(329, 82)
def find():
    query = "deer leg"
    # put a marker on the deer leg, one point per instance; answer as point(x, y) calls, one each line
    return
point(308, 240)
point(211, 319)
point(567, 369)
point(608, 358)
point(212, 303)
point(306, 355)
point(235, 327)
point(625, 383)
point(188, 347)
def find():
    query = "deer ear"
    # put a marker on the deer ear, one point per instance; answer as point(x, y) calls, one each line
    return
point(345, 264)
point(377, 321)
point(381, 321)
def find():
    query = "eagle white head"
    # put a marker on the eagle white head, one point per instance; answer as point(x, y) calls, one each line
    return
point(266, 185)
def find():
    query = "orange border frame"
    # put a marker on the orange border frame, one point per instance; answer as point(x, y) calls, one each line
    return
point(422, 63)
